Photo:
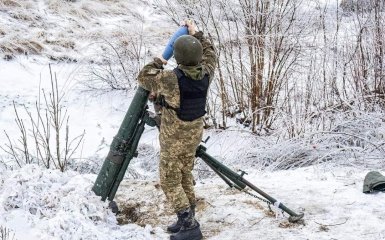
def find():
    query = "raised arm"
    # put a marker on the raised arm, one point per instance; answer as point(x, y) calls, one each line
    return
point(153, 78)
point(209, 59)
point(149, 74)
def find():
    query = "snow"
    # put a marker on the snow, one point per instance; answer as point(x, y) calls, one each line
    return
point(48, 204)
point(39, 203)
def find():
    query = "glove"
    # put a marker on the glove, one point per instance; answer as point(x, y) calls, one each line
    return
point(192, 28)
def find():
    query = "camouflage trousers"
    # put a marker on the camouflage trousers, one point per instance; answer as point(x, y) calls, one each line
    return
point(178, 144)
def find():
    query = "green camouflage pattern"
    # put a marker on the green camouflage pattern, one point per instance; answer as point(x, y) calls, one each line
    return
point(178, 139)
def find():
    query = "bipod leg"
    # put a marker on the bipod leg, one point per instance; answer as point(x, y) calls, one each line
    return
point(219, 168)
point(114, 207)
point(294, 217)
point(224, 178)
point(226, 173)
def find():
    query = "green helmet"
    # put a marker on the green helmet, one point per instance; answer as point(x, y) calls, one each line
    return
point(374, 181)
point(188, 50)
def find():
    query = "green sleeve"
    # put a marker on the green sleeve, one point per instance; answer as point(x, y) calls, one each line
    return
point(209, 59)
point(148, 75)
point(153, 78)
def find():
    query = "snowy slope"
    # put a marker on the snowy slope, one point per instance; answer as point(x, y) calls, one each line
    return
point(36, 203)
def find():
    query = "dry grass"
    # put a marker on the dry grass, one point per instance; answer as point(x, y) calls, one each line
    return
point(52, 27)
point(24, 16)
point(287, 224)
point(65, 43)
point(14, 4)
point(10, 3)
point(201, 204)
point(15, 47)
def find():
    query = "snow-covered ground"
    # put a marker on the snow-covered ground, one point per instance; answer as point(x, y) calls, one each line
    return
point(36, 203)
point(46, 204)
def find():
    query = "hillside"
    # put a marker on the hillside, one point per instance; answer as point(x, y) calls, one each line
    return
point(313, 160)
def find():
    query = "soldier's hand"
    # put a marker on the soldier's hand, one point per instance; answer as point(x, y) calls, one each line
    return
point(152, 96)
point(192, 28)
point(164, 61)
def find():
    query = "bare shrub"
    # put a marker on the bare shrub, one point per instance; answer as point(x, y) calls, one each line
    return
point(119, 64)
point(338, 74)
point(257, 43)
point(356, 5)
point(47, 132)
point(6, 234)
point(290, 62)
point(363, 59)
point(355, 138)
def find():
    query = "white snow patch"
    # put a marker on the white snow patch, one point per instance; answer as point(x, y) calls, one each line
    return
point(48, 204)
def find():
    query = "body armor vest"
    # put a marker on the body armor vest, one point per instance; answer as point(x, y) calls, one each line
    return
point(193, 95)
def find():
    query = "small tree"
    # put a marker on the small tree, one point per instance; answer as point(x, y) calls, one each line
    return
point(257, 46)
point(5, 234)
point(117, 67)
point(48, 130)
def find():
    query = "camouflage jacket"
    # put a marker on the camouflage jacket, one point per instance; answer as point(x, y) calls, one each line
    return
point(153, 78)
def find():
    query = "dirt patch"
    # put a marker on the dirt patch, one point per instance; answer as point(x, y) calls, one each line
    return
point(141, 214)
point(128, 213)
point(323, 228)
point(287, 224)
point(143, 203)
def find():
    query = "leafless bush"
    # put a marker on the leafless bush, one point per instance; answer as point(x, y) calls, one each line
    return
point(48, 131)
point(6, 234)
point(356, 5)
point(357, 140)
point(337, 74)
point(258, 48)
point(119, 64)
point(289, 61)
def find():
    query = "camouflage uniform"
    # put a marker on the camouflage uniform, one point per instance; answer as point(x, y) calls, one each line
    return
point(178, 139)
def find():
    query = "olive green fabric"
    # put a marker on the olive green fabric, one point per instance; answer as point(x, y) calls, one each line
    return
point(188, 50)
point(193, 72)
point(178, 139)
point(374, 181)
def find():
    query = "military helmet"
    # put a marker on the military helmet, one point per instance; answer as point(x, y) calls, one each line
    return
point(374, 181)
point(188, 50)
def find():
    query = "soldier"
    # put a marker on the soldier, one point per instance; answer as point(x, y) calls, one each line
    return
point(184, 91)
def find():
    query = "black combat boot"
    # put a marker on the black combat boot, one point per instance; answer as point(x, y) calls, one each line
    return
point(190, 229)
point(175, 227)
